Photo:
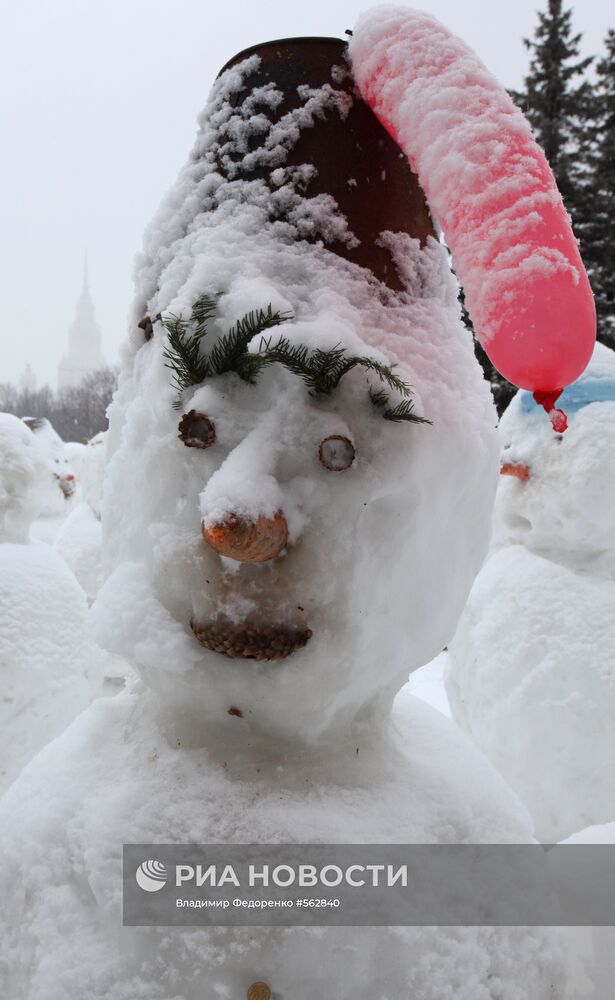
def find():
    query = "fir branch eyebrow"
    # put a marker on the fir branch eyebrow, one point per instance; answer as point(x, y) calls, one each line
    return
point(320, 370)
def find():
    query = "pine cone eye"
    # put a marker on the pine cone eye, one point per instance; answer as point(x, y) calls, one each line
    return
point(196, 430)
point(336, 453)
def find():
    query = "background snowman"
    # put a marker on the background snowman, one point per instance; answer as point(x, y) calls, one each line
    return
point(79, 538)
point(49, 667)
point(531, 669)
point(282, 548)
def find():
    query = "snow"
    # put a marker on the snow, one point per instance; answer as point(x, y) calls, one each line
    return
point(603, 833)
point(427, 683)
point(79, 543)
point(79, 537)
point(115, 777)
point(266, 456)
point(24, 475)
point(532, 679)
point(88, 464)
point(531, 674)
point(49, 668)
point(469, 145)
point(60, 483)
point(565, 509)
point(379, 563)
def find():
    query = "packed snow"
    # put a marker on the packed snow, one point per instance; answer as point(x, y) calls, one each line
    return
point(532, 667)
point(24, 475)
point(328, 743)
point(60, 484)
point(49, 668)
point(565, 509)
point(79, 538)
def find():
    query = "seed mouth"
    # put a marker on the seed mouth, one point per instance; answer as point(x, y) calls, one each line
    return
point(251, 642)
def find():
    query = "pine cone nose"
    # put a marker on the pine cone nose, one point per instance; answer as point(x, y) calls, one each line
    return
point(248, 540)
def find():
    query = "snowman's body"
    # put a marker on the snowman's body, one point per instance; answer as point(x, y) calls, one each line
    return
point(531, 674)
point(377, 563)
point(114, 776)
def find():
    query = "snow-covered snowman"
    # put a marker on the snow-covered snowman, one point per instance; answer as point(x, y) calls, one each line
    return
point(302, 465)
point(531, 673)
point(49, 668)
point(79, 538)
point(24, 474)
point(61, 480)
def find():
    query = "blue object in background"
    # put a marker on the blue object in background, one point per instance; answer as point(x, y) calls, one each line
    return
point(574, 397)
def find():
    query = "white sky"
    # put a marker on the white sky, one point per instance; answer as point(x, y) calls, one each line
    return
point(98, 102)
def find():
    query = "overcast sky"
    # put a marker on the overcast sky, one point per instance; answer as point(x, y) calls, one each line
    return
point(98, 107)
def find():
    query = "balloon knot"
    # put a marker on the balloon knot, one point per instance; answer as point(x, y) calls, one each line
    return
point(547, 400)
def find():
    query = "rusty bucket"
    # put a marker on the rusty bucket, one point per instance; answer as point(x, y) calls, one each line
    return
point(357, 161)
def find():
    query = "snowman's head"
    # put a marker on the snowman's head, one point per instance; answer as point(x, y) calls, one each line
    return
point(289, 557)
point(282, 554)
point(24, 475)
point(61, 482)
point(558, 490)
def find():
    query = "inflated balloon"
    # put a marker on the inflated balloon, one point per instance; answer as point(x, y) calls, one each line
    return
point(492, 190)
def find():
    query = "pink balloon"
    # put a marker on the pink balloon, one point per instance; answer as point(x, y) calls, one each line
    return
point(490, 187)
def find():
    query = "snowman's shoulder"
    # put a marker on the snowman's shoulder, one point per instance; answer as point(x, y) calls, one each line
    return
point(453, 793)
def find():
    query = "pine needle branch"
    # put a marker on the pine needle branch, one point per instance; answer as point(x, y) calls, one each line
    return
point(228, 350)
point(404, 411)
point(183, 356)
point(384, 372)
point(202, 311)
point(320, 370)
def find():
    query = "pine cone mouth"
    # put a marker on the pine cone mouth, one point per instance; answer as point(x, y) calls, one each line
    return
point(251, 642)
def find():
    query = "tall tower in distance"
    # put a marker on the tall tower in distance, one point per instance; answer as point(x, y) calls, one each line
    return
point(84, 340)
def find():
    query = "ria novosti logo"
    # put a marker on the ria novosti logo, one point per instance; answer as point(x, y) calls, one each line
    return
point(151, 876)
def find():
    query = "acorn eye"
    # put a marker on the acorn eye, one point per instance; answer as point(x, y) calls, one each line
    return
point(196, 430)
point(336, 453)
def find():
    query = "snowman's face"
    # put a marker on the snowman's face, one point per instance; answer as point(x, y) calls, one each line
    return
point(558, 490)
point(377, 564)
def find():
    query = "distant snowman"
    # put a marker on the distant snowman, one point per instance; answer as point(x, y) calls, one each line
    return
point(79, 538)
point(24, 476)
point(61, 482)
point(557, 496)
point(531, 673)
point(49, 668)
point(284, 537)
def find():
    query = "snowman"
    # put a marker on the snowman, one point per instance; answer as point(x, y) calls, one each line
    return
point(49, 668)
point(557, 493)
point(61, 481)
point(530, 674)
point(302, 462)
point(23, 479)
point(79, 538)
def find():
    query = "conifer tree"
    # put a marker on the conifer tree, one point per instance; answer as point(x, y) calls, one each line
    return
point(600, 234)
point(557, 101)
